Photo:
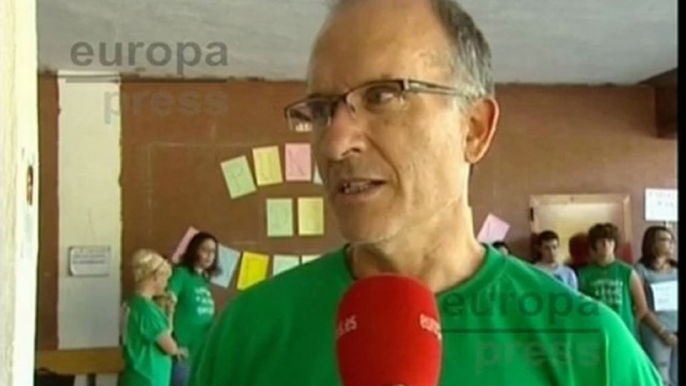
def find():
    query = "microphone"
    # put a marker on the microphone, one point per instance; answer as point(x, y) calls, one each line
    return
point(388, 333)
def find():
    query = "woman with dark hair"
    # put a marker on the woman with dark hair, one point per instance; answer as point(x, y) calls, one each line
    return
point(658, 272)
point(194, 306)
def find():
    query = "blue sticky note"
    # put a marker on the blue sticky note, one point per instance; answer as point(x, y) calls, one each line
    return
point(228, 261)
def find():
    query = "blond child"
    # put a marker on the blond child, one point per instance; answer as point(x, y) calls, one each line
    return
point(147, 339)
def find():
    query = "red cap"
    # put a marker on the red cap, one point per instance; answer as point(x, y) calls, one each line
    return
point(388, 333)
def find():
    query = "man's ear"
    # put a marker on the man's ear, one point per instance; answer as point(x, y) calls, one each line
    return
point(483, 118)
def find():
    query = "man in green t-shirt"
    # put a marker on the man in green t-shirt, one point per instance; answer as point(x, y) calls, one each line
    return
point(400, 106)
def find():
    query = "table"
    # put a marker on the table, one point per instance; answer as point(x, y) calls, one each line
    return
point(88, 362)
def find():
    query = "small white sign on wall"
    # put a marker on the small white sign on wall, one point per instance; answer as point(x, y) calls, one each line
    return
point(662, 205)
point(89, 260)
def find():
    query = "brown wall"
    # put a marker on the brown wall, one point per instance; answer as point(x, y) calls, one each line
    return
point(171, 169)
point(551, 140)
point(572, 140)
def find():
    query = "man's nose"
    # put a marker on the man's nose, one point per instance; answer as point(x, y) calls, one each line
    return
point(345, 135)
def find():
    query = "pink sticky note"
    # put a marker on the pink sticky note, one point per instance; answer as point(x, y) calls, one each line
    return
point(493, 229)
point(182, 244)
point(298, 162)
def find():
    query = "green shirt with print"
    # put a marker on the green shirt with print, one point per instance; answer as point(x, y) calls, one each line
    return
point(610, 284)
point(194, 310)
point(510, 323)
point(145, 363)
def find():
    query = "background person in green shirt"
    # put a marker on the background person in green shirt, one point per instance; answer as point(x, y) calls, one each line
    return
point(148, 345)
point(613, 282)
point(194, 309)
point(400, 105)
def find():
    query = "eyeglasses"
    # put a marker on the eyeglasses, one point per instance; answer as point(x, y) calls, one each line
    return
point(378, 98)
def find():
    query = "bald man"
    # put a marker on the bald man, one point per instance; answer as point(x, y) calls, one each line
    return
point(400, 105)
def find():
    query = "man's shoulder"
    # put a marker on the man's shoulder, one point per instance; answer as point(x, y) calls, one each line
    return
point(309, 280)
point(533, 285)
point(568, 269)
point(536, 276)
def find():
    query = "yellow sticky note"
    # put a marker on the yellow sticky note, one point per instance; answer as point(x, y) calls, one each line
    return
point(238, 177)
point(253, 269)
point(279, 217)
point(310, 216)
point(267, 165)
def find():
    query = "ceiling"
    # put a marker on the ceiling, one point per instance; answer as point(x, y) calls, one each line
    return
point(533, 41)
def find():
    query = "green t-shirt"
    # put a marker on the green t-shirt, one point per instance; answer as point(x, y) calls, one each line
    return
point(194, 311)
point(508, 324)
point(146, 364)
point(611, 285)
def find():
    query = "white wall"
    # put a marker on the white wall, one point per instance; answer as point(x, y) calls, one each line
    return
point(18, 225)
point(89, 213)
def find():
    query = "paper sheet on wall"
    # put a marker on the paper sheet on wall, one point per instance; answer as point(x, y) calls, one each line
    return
point(298, 162)
point(253, 269)
point(310, 216)
point(91, 260)
point(307, 258)
point(666, 296)
point(238, 177)
point(661, 205)
point(493, 229)
point(279, 217)
point(283, 263)
point(267, 165)
point(228, 261)
point(181, 247)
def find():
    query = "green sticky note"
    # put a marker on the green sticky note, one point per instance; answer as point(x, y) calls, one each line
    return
point(238, 177)
point(310, 216)
point(308, 258)
point(279, 217)
point(284, 263)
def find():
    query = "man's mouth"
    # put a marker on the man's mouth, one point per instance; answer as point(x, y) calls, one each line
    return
point(358, 186)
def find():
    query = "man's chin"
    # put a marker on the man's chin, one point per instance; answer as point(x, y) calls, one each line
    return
point(365, 233)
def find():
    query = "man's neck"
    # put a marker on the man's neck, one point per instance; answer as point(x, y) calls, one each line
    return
point(441, 252)
point(605, 261)
point(550, 264)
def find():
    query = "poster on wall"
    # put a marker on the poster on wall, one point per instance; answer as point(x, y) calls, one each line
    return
point(661, 205)
point(91, 260)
